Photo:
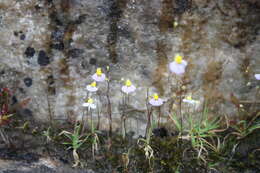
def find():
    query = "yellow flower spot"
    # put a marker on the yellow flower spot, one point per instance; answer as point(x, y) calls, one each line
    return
point(5, 117)
point(178, 59)
point(128, 83)
point(99, 72)
point(175, 24)
point(155, 96)
point(189, 98)
point(90, 100)
point(93, 84)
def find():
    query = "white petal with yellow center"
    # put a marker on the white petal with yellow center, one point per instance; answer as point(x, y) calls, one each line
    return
point(92, 87)
point(156, 101)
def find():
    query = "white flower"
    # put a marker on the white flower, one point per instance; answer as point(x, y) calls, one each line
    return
point(99, 76)
point(128, 87)
point(190, 100)
point(257, 76)
point(89, 104)
point(178, 65)
point(92, 87)
point(155, 100)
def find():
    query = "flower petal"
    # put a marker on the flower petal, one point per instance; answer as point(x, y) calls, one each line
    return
point(177, 68)
point(257, 76)
point(154, 102)
point(91, 88)
point(98, 78)
point(85, 104)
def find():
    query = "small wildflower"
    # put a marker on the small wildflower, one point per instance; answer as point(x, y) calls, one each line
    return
point(4, 119)
point(89, 103)
point(175, 24)
point(99, 76)
point(128, 87)
point(178, 65)
point(92, 87)
point(257, 76)
point(155, 100)
point(189, 100)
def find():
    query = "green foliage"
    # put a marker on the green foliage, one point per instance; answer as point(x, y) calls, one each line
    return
point(201, 134)
point(244, 128)
point(146, 147)
point(75, 142)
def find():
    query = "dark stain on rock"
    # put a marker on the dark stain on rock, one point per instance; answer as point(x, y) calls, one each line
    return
point(65, 5)
point(182, 6)
point(167, 17)
point(43, 59)
point(27, 112)
point(213, 73)
point(55, 18)
point(12, 154)
point(57, 46)
point(22, 37)
point(29, 52)
point(162, 62)
point(57, 35)
point(160, 132)
point(28, 81)
point(16, 33)
point(246, 28)
point(244, 67)
point(22, 90)
point(93, 61)
point(51, 87)
point(80, 19)
point(115, 13)
point(14, 100)
point(75, 53)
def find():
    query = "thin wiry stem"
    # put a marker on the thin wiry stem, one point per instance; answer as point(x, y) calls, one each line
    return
point(123, 118)
point(149, 113)
point(109, 108)
point(159, 119)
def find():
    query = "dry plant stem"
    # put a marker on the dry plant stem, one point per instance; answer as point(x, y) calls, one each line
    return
point(149, 113)
point(123, 118)
point(91, 121)
point(159, 119)
point(5, 138)
point(256, 96)
point(99, 110)
point(92, 133)
point(180, 108)
point(83, 118)
point(49, 110)
point(83, 121)
point(109, 108)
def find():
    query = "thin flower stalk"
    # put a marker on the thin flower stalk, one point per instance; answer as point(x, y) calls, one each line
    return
point(109, 106)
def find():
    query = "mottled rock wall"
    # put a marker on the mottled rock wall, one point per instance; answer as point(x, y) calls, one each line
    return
point(49, 49)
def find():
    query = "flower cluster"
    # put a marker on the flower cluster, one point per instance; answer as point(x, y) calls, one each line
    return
point(177, 67)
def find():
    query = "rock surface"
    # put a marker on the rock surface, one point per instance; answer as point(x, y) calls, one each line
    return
point(44, 165)
point(49, 49)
